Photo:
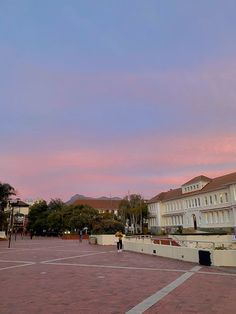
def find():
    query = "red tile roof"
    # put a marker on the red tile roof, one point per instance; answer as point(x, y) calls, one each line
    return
point(198, 179)
point(214, 184)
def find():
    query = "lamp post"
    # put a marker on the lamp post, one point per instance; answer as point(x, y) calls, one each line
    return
point(141, 222)
point(12, 204)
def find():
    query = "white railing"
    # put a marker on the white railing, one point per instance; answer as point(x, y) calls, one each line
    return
point(184, 243)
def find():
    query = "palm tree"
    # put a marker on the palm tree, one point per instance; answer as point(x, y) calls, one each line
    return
point(6, 190)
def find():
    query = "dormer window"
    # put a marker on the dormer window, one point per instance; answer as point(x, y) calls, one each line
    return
point(196, 184)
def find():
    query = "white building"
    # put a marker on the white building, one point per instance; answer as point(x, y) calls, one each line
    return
point(201, 203)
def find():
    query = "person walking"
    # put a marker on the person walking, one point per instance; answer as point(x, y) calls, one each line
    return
point(80, 235)
point(119, 236)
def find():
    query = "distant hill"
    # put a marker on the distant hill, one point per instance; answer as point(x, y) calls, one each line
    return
point(82, 197)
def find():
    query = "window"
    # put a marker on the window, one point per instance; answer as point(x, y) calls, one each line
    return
point(226, 197)
point(198, 200)
point(216, 217)
point(210, 199)
point(221, 198)
point(226, 216)
point(210, 218)
point(195, 202)
point(216, 199)
point(173, 220)
point(221, 217)
point(206, 200)
point(177, 220)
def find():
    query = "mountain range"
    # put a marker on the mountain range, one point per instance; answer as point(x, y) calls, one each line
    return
point(81, 197)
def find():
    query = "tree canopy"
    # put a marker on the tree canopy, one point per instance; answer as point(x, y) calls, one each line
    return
point(133, 210)
point(6, 191)
point(56, 217)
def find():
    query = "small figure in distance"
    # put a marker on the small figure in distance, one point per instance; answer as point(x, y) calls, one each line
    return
point(80, 235)
point(119, 236)
point(31, 234)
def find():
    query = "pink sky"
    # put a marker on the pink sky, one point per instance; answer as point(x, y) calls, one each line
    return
point(134, 165)
point(109, 99)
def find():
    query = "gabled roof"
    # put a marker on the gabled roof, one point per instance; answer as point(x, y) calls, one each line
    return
point(213, 184)
point(220, 182)
point(164, 196)
point(22, 204)
point(19, 203)
point(197, 179)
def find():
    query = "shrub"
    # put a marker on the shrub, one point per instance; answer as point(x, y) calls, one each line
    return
point(107, 226)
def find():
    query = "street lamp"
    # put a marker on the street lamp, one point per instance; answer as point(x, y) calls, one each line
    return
point(12, 205)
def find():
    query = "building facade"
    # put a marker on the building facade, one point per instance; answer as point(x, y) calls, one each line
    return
point(102, 205)
point(202, 203)
point(18, 215)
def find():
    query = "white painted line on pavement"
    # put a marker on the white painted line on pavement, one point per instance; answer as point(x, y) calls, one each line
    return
point(156, 297)
point(17, 266)
point(8, 261)
point(139, 268)
point(215, 273)
point(70, 257)
point(116, 267)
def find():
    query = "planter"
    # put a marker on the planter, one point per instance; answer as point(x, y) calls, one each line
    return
point(92, 240)
point(74, 237)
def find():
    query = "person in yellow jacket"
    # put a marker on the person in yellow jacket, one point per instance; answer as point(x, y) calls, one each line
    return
point(119, 236)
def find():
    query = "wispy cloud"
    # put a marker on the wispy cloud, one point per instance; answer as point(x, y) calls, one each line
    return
point(146, 164)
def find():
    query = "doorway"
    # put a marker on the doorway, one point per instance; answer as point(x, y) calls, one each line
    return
point(194, 222)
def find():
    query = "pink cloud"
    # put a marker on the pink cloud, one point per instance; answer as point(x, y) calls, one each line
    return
point(145, 165)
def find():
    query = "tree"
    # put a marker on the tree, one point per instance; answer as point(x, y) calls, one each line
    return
point(6, 190)
point(107, 226)
point(37, 218)
point(133, 210)
point(56, 217)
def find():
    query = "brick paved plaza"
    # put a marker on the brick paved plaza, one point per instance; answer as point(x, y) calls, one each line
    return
point(47, 275)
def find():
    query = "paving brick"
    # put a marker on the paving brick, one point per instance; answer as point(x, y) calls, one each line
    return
point(51, 275)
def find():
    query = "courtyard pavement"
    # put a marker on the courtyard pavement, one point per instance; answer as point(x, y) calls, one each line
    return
point(51, 275)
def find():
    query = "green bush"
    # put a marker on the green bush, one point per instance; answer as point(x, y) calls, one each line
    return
point(107, 226)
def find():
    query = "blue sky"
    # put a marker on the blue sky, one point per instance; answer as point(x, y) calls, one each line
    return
point(106, 97)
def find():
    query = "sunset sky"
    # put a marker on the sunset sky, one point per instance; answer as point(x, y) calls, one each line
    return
point(106, 97)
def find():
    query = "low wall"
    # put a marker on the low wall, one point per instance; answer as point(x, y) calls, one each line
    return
point(218, 257)
point(105, 239)
point(224, 258)
point(146, 246)
point(207, 241)
point(74, 237)
point(209, 238)
point(2, 235)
